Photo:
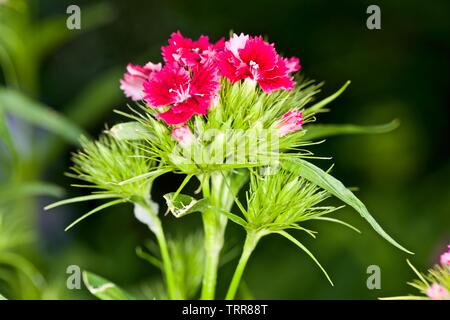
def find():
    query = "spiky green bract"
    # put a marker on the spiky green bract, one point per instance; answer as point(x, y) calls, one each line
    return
point(281, 200)
point(439, 274)
point(113, 169)
point(110, 164)
point(276, 202)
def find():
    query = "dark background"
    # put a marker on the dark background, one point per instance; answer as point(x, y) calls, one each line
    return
point(400, 71)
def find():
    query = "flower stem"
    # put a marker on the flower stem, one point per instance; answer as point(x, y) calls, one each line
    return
point(214, 225)
point(251, 241)
point(156, 226)
point(172, 290)
point(213, 246)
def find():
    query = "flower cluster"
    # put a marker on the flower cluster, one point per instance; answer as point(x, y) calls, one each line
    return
point(438, 291)
point(189, 82)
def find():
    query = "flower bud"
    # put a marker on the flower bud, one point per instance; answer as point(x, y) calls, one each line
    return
point(445, 257)
point(183, 135)
point(437, 292)
point(290, 122)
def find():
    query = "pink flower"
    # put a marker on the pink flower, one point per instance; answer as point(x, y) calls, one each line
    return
point(292, 64)
point(187, 53)
point(246, 57)
point(437, 292)
point(290, 122)
point(183, 135)
point(445, 257)
point(133, 79)
point(185, 92)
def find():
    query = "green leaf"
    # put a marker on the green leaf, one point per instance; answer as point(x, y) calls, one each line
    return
point(81, 199)
point(99, 208)
point(405, 298)
point(232, 217)
point(5, 136)
point(149, 258)
point(129, 131)
point(319, 131)
point(38, 114)
point(301, 246)
point(2, 297)
point(421, 277)
point(29, 189)
point(348, 225)
point(335, 187)
point(319, 105)
point(184, 204)
point(104, 289)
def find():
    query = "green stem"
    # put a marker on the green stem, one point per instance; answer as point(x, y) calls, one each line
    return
point(251, 241)
point(172, 291)
point(214, 225)
point(213, 246)
point(156, 227)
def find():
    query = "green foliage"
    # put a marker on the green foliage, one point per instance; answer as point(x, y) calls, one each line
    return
point(188, 262)
point(187, 259)
point(319, 131)
point(336, 188)
point(35, 113)
point(280, 211)
point(439, 274)
point(104, 289)
point(110, 164)
point(18, 276)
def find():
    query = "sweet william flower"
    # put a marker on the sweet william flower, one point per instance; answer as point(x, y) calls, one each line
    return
point(437, 292)
point(246, 57)
point(134, 78)
point(290, 122)
point(445, 257)
point(185, 92)
point(183, 135)
point(187, 52)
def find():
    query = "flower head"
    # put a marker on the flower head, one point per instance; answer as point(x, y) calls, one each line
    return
point(134, 78)
point(246, 57)
point(445, 257)
point(437, 292)
point(187, 52)
point(290, 122)
point(185, 92)
point(183, 135)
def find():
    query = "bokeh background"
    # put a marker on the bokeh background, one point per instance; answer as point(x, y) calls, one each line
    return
point(398, 72)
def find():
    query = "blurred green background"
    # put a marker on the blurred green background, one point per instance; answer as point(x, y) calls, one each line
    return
point(400, 71)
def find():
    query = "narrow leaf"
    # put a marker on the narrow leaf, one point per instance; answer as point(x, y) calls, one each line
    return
point(348, 225)
point(129, 131)
point(81, 199)
point(231, 216)
point(38, 114)
point(104, 289)
point(29, 189)
point(417, 273)
point(335, 187)
point(319, 105)
point(319, 131)
point(99, 208)
point(301, 246)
